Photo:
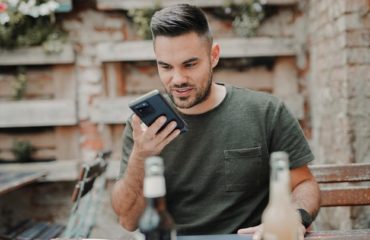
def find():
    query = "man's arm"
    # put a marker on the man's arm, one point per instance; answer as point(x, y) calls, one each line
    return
point(127, 195)
point(305, 190)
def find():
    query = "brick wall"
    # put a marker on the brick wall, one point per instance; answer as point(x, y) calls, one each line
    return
point(339, 92)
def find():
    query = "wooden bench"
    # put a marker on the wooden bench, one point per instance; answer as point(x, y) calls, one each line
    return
point(85, 197)
point(343, 184)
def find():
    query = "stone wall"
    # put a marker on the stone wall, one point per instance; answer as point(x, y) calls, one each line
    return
point(339, 93)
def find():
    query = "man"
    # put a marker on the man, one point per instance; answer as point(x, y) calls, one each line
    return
point(217, 174)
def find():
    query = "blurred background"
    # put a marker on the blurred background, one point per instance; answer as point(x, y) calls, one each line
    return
point(68, 69)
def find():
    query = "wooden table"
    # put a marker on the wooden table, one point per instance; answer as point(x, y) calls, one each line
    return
point(363, 234)
point(12, 180)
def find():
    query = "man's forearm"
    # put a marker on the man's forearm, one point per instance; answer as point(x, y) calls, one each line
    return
point(127, 195)
point(306, 195)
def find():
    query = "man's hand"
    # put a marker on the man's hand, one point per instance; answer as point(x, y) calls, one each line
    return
point(147, 141)
point(258, 230)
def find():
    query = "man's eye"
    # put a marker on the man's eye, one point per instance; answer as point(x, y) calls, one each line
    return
point(189, 65)
point(167, 67)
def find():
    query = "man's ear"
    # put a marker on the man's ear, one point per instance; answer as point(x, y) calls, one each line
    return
point(215, 54)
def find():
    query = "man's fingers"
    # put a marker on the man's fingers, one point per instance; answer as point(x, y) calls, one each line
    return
point(136, 122)
point(169, 138)
point(249, 230)
point(156, 125)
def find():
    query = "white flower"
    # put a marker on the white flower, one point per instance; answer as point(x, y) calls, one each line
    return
point(44, 10)
point(53, 5)
point(4, 18)
point(13, 3)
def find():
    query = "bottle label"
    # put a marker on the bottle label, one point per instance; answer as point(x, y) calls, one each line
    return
point(154, 186)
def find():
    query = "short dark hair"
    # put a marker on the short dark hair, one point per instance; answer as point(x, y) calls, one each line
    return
point(180, 19)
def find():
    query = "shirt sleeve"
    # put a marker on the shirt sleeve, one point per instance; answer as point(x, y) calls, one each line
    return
point(287, 135)
point(128, 142)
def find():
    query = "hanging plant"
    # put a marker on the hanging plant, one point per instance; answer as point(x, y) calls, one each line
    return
point(22, 151)
point(19, 85)
point(141, 18)
point(26, 23)
point(246, 17)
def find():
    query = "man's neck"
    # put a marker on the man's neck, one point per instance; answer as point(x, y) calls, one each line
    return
point(218, 93)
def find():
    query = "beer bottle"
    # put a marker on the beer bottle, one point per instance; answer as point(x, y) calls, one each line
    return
point(156, 223)
point(280, 219)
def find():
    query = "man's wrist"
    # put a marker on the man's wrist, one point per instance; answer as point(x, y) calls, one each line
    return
point(306, 218)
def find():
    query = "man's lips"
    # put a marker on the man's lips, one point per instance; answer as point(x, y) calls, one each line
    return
point(182, 92)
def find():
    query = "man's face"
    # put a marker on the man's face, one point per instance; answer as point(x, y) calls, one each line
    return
point(185, 68)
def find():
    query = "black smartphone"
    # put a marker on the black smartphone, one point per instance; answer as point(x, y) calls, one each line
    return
point(153, 105)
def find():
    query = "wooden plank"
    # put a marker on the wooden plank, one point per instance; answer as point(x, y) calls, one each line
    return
point(230, 48)
point(43, 139)
point(67, 143)
point(37, 113)
point(64, 79)
point(257, 78)
point(354, 172)
point(10, 181)
point(36, 56)
point(353, 234)
point(111, 110)
point(37, 85)
point(345, 196)
point(132, 4)
point(60, 170)
point(37, 154)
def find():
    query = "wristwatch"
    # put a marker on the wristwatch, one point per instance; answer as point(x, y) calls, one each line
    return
point(305, 217)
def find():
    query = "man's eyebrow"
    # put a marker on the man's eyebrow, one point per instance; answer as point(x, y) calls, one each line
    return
point(193, 59)
point(162, 63)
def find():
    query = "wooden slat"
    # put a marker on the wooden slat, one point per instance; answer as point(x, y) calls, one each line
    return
point(38, 154)
point(44, 139)
point(111, 110)
point(60, 170)
point(345, 196)
point(36, 86)
point(230, 48)
point(353, 234)
point(132, 4)
point(36, 56)
point(341, 173)
point(67, 143)
point(10, 181)
point(38, 113)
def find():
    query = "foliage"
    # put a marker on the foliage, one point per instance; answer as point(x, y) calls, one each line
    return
point(246, 16)
point(141, 18)
point(22, 151)
point(19, 86)
point(26, 23)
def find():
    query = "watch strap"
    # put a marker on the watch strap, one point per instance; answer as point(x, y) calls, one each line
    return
point(305, 217)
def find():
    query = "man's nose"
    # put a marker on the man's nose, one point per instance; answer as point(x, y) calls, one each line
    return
point(178, 77)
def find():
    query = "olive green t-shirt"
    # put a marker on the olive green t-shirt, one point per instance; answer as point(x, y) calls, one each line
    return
point(217, 174)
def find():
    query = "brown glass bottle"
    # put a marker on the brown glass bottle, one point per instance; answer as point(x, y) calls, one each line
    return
point(280, 219)
point(156, 223)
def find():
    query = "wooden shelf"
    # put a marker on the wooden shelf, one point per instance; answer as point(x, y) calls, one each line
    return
point(230, 48)
point(63, 170)
point(36, 56)
point(131, 4)
point(34, 113)
point(111, 110)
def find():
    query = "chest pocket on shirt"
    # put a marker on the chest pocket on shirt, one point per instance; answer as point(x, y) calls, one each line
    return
point(242, 169)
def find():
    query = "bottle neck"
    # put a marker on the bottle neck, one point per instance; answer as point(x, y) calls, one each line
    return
point(158, 203)
point(280, 182)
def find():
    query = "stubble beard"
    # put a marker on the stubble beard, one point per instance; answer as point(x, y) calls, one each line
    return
point(200, 96)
